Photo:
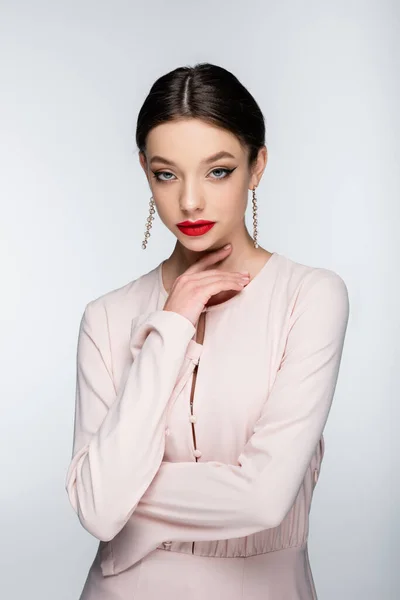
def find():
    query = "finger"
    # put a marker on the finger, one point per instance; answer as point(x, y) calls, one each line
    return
point(222, 286)
point(209, 259)
point(214, 275)
point(218, 283)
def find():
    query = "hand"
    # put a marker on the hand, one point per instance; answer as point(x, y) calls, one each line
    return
point(193, 289)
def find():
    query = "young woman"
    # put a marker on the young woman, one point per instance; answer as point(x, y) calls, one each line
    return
point(204, 385)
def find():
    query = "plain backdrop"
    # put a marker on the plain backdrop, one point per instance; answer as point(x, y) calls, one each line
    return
point(74, 202)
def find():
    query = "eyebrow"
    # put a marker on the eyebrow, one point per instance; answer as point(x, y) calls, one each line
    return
point(210, 159)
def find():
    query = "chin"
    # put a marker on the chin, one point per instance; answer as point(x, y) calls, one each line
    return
point(201, 245)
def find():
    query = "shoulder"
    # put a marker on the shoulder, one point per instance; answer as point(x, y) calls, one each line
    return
point(299, 275)
point(121, 304)
point(307, 284)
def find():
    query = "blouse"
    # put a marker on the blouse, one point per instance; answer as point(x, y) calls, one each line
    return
point(233, 472)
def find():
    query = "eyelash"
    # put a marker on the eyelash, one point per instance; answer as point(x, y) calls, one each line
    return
point(226, 171)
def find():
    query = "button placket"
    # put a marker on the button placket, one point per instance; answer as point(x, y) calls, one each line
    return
point(192, 417)
point(316, 474)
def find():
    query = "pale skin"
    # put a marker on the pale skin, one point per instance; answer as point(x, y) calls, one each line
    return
point(200, 271)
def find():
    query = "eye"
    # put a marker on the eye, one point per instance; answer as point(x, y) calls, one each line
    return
point(157, 175)
point(221, 173)
point(225, 172)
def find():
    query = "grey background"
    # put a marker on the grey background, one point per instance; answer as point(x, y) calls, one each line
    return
point(73, 207)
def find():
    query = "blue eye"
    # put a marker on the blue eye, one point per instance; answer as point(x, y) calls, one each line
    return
point(157, 175)
point(225, 173)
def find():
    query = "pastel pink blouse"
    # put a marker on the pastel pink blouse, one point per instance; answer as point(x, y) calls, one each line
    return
point(267, 370)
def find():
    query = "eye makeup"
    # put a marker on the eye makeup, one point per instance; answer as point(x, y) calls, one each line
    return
point(227, 172)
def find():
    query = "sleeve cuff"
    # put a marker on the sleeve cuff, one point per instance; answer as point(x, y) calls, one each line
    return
point(170, 324)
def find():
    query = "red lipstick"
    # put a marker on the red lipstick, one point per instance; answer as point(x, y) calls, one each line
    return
point(199, 227)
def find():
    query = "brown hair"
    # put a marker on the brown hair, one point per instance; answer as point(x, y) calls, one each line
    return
point(206, 92)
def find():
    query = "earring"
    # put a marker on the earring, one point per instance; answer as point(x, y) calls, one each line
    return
point(255, 230)
point(149, 223)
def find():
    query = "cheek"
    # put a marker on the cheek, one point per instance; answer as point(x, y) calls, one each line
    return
point(165, 212)
point(167, 207)
point(232, 202)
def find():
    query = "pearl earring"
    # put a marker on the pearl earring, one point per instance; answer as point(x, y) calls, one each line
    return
point(149, 223)
point(255, 230)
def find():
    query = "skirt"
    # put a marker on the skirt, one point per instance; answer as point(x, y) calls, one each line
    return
point(279, 575)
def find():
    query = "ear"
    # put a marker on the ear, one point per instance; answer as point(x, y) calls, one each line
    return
point(143, 163)
point(258, 168)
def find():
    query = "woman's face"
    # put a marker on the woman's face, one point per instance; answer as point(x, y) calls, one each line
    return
point(189, 181)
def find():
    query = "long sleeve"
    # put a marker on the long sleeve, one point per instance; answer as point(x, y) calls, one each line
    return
point(119, 439)
point(212, 501)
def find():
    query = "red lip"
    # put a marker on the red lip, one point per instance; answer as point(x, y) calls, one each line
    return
point(194, 223)
point(193, 228)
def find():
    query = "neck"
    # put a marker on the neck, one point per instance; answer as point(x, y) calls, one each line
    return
point(243, 256)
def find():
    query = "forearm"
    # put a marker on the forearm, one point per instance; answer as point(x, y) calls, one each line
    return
point(108, 475)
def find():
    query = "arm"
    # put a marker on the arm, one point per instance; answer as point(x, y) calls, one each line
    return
point(211, 501)
point(119, 438)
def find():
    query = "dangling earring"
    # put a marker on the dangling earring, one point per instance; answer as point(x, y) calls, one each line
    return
point(149, 223)
point(255, 230)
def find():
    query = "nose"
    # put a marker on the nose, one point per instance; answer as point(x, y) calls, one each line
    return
point(191, 198)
